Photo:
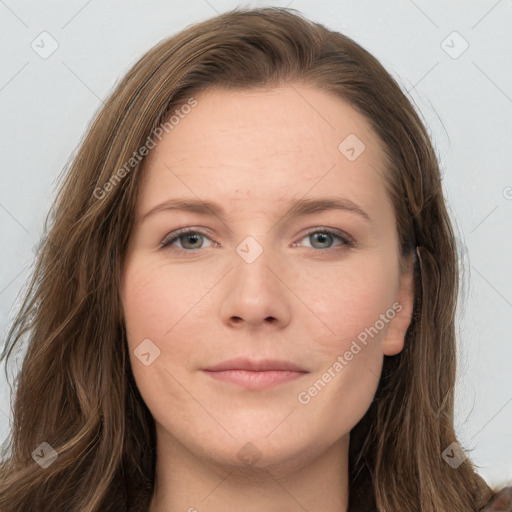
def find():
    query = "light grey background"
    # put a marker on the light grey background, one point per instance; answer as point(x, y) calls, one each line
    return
point(465, 98)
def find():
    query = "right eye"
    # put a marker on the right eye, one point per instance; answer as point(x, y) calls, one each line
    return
point(185, 236)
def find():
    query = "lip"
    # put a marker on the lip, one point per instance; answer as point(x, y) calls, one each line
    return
point(263, 365)
point(255, 375)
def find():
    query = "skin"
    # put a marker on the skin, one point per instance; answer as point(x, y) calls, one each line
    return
point(253, 153)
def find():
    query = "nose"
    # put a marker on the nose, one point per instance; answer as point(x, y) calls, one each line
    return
point(255, 293)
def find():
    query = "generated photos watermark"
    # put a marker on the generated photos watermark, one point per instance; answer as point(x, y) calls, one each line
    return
point(101, 192)
point(304, 397)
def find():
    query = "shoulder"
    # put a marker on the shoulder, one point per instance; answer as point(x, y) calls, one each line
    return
point(501, 501)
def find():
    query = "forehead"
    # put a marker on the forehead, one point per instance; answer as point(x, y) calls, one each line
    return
point(267, 144)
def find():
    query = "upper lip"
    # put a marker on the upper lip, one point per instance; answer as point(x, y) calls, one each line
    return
point(262, 365)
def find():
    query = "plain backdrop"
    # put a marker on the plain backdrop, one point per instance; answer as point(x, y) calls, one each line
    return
point(452, 58)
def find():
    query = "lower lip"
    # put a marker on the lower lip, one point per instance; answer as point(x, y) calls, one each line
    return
point(256, 380)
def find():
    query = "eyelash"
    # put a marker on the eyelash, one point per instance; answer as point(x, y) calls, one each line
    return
point(167, 242)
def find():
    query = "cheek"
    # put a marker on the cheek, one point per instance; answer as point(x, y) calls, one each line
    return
point(347, 343)
point(156, 300)
point(351, 301)
point(168, 307)
point(156, 303)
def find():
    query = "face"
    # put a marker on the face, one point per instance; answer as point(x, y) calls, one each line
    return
point(263, 280)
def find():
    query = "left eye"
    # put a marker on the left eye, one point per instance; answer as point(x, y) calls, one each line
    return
point(188, 237)
point(326, 235)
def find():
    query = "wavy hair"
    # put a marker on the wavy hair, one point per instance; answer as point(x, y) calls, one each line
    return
point(76, 390)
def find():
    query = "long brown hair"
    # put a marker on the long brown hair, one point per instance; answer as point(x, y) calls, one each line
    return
point(76, 391)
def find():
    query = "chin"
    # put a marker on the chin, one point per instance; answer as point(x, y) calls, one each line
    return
point(257, 452)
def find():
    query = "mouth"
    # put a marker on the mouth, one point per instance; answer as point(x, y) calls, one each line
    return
point(255, 375)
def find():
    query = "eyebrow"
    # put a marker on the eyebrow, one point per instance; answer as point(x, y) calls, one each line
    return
point(298, 207)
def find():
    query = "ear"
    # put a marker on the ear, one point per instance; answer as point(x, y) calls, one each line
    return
point(395, 336)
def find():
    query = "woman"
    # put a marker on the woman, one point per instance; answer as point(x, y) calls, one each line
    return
point(255, 370)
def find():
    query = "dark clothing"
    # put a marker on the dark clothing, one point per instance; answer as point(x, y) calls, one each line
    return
point(501, 501)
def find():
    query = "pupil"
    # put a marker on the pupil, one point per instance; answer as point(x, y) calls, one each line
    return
point(322, 236)
point(190, 237)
